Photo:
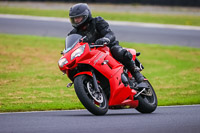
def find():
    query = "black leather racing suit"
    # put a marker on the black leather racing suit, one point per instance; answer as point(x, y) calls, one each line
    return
point(98, 28)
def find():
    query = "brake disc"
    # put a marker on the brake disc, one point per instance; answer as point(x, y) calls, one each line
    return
point(97, 96)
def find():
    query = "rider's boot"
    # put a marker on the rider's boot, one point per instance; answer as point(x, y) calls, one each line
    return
point(135, 72)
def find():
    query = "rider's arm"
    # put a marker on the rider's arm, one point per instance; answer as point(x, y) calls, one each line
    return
point(103, 28)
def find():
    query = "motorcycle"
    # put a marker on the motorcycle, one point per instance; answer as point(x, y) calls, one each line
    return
point(100, 81)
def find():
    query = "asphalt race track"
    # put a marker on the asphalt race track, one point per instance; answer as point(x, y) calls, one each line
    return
point(176, 119)
point(126, 33)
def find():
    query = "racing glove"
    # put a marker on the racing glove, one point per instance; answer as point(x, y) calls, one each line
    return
point(102, 41)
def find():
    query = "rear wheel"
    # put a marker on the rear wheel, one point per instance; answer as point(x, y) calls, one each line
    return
point(95, 102)
point(147, 100)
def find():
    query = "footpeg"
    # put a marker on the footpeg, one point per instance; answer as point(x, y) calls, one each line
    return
point(69, 85)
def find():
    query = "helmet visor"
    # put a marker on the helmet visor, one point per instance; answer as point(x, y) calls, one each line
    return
point(79, 19)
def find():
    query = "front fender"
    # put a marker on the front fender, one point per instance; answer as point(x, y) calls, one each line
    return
point(84, 73)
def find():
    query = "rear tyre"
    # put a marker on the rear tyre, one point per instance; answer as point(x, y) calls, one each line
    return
point(95, 102)
point(148, 100)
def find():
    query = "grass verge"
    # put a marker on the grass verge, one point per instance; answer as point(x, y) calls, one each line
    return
point(30, 78)
point(139, 17)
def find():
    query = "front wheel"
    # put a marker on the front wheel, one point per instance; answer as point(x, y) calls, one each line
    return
point(147, 100)
point(95, 102)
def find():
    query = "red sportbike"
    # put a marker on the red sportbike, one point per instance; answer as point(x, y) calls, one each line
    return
point(101, 82)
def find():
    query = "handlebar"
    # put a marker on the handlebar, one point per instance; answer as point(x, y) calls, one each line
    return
point(92, 45)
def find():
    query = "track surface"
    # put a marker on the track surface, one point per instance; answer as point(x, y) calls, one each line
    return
point(176, 119)
point(130, 33)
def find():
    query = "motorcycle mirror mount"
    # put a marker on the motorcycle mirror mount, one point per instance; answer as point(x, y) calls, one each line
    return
point(82, 39)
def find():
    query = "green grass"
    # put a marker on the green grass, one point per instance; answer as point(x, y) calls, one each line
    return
point(30, 78)
point(174, 72)
point(139, 17)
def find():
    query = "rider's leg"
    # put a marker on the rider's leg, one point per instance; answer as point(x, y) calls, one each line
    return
point(135, 71)
point(125, 57)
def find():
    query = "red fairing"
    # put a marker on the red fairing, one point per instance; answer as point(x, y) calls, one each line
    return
point(102, 61)
point(119, 92)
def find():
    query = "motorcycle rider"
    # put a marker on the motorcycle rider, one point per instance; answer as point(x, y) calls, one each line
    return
point(97, 30)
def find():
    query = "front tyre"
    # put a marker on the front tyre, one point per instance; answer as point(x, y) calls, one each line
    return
point(147, 100)
point(95, 102)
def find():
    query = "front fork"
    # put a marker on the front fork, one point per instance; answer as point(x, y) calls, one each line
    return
point(96, 88)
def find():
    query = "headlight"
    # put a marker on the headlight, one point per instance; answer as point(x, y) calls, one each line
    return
point(78, 52)
point(62, 62)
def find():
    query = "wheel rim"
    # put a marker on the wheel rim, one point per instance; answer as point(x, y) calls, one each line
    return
point(97, 98)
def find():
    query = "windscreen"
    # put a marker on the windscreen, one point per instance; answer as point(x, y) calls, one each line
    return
point(71, 41)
